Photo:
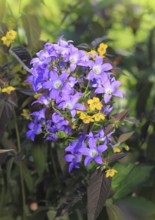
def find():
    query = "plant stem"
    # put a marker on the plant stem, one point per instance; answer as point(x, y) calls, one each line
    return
point(20, 169)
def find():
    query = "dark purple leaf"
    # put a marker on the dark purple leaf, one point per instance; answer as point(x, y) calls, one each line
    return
point(124, 137)
point(116, 157)
point(120, 116)
point(97, 193)
point(109, 129)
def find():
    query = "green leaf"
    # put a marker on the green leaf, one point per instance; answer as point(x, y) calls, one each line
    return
point(51, 214)
point(31, 27)
point(145, 88)
point(137, 175)
point(27, 176)
point(139, 205)
point(123, 171)
point(39, 154)
point(114, 212)
point(2, 9)
point(97, 193)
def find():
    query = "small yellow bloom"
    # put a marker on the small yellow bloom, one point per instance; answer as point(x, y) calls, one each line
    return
point(11, 34)
point(116, 150)
point(81, 114)
point(37, 95)
point(9, 37)
point(8, 89)
point(74, 126)
point(110, 172)
point(6, 41)
point(95, 104)
point(87, 119)
point(98, 116)
point(26, 114)
point(102, 49)
point(92, 54)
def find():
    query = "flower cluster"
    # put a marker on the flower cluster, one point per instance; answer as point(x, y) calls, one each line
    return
point(9, 37)
point(74, 90)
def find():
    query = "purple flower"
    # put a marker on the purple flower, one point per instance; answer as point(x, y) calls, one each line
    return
point(109, 88)
point(71, 104)
point(35, 128)
point(74, 149)
point(93, 152)
point(73, 160)
point(98, 69)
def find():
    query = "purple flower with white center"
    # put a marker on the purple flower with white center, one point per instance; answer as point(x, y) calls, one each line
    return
point(98, 69)
point(93, 152)
point(57, 85)
point(109, 89)
point(71, 104)
point(35, 128)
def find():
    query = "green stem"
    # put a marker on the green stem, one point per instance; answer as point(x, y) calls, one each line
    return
point(20, 169)
point(86, 90)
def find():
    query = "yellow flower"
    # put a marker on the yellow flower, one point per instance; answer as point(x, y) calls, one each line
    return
point(92, 54)
point(11, 34)
point(110, 172)
point(9, 37)
point(116, 150)
point(81, 114)
point(98, 116)
point(74, 126)
point(87, 119)
point(102, 49)
point(26, 114)
point(6, 41)
point(8, 89)
point(95, 104)
point(37, 95)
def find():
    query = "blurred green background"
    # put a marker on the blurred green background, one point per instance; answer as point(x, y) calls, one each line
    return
point(34, 183)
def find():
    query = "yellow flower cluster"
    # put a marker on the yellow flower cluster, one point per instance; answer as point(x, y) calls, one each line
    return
point(110, 172)
point(26, 114)
point(94, 104)
point(102, 49)
point(8, 89)
point(9, 37)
